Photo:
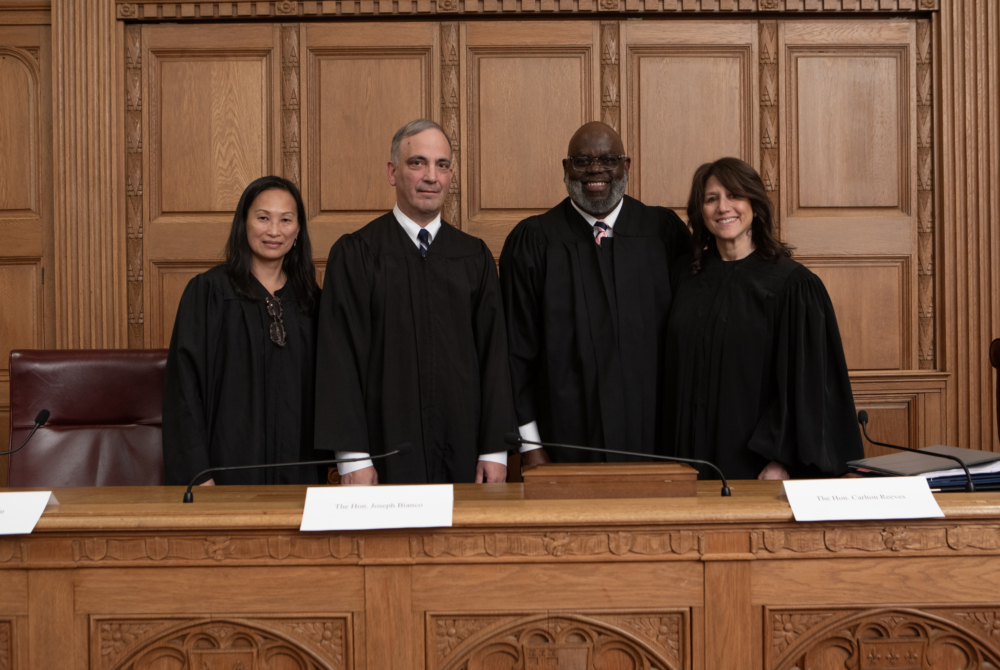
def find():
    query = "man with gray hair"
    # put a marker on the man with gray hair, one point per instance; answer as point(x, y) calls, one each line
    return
point(411, 342)
point(587, 291)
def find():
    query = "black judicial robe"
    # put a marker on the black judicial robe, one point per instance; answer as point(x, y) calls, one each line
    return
point(412, 349)
point(233, 397)
point(586, 326)
point(757, 370)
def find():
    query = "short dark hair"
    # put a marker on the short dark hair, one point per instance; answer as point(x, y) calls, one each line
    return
point(742, 181)
point(297, 263)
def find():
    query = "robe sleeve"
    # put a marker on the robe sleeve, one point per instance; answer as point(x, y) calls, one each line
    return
point(811, 426)
point(187, 384)
point(497, 410)
point(343, 347)
point(677, 237)
point(521, 275)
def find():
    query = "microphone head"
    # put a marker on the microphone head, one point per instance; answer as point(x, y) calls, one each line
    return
point(863, 417)
point(512, 439)
point(404, 449)
point(42, 417)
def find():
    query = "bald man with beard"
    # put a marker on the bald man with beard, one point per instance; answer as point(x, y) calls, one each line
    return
point(587, 291)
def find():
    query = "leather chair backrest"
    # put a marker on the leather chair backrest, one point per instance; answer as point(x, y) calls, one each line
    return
point(105, 427)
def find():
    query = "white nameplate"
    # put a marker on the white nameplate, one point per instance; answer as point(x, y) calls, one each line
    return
point(858, 499)
point(20, 511)
point(366, 507)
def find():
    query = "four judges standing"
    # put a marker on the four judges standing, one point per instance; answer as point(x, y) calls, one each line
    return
point(412, 343)
point(411, 335)
point(587, 292)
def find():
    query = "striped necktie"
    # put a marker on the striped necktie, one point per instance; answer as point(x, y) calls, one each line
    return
point(425, 241)
point(602, 231)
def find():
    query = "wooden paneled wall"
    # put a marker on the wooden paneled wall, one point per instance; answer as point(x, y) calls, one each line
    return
point(874, 125)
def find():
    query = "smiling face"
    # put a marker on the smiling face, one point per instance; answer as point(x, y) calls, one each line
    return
point(594, 189)
point(729, 218)
point(272, 225)
point(422, 176)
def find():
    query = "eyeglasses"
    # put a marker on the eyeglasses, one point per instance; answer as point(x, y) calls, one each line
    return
point(605, 163)
point(275, 311)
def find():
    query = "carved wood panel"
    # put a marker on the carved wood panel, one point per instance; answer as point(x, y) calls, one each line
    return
point(7, 658)
point(362, 82)
point(847, 130)
point(553, 640)
point(514, 72)
point(167, 281)
point(222, 643)
point(899, 638)
point(883, 307)
point(692, 99)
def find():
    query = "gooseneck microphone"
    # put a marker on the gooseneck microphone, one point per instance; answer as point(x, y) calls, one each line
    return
point(863, 420)
point(514, 439)
point(401, 450)
point(40, 420)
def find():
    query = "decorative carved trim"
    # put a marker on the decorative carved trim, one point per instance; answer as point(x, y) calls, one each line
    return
point(155, 10)
point(451, 117)
point(217, 548)
point(290, 112)
point(610, 75)
point(769, 150)
point(13, 549)
point(925, 198)
point(898, 638)
point(119, 644)
point(133, 183)
point(554, 639)
point(6, 645)
point(556, 544)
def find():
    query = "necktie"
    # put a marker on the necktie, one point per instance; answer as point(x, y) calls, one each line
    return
point(425, 241)
point(602, 231)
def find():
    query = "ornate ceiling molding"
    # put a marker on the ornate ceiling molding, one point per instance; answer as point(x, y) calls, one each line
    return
point(283, 9)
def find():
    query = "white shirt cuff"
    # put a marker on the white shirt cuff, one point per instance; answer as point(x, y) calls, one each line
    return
point(529, 431)
point(497, 457)
point(347, 468)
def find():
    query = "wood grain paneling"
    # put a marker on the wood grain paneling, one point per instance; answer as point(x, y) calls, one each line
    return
point(882, 305)
point(167, 281)
point(19, 134)
point(856, 99)
point(969, 163)
point(692, 99)
point(212, 115)
point(361, 83)
point(87, 139)
point(517, 72)
point(907, 409)
point(21, 307)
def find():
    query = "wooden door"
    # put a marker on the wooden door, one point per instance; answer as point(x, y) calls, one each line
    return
point(211, 123)
point(26, 293)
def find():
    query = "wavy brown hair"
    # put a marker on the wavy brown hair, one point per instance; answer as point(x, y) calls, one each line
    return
point(741, 180)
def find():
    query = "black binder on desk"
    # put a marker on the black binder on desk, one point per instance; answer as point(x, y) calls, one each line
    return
point(908, 464)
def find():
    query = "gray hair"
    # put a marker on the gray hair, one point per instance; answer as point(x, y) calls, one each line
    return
point(409, 130)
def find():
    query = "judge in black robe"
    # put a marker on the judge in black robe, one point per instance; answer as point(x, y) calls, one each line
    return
point(231, 395)
point(411, 343)
point(586, 322)
point(758, 381)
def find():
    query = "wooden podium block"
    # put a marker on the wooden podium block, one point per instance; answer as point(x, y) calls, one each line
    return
point(577, 481)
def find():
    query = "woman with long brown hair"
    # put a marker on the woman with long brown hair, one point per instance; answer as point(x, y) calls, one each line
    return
point(756, 377)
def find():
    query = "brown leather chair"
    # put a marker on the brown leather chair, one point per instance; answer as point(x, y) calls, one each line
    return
point(106, 417)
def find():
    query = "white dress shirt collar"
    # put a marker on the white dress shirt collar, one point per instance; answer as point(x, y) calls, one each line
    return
point(609, 219)
point(412, 227)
